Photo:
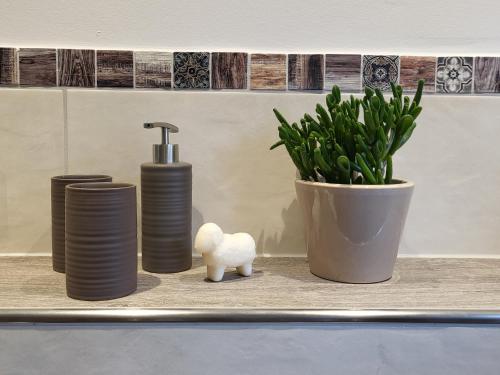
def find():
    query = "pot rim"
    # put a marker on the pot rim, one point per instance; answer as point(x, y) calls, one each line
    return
point(100, 186)
point(80, 177)
point(403, 184)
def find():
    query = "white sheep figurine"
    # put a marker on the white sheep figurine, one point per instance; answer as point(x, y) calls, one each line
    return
point(221, 250)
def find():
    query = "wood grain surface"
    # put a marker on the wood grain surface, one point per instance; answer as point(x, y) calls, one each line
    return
point(76, 67)
point(343, 71)
point(8, 67)
point(267, 71)
point(414, 68)
point(487, 75)
point(418, 283)
point(37, 67)
point(305, 72)
point(153, 69)
point(229, 70)
point(115, 69)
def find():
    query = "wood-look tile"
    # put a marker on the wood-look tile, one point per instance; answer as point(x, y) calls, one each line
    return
point(305, 72)
point(8, 67)
point(343, 71)
point(37, 67)
point(76, 67)
point(379, 71)
point(153, 69)
point(487, 75)
point(229, 70)
point(427, 284)
point(115, 68)
point(454, 75)
point(414, 68)
point(192, 70)
point(267, 71)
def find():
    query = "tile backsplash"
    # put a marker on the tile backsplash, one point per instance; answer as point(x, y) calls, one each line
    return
point(153, 69)
point(229, 70)
point(115, 69)
point(8, 66)
point(192, 70)
point(305, 72)
point(343, 71)
point(380, 71)
point(37, 67)
point(47, 67)
point(454, 75)
point(487, 74)
point(268, 71)
point(423, 67)
point(76, 67)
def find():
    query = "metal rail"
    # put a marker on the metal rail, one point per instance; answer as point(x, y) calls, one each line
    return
point(138, 315)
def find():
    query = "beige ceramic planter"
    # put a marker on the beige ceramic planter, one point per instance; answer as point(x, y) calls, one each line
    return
point(353, 231)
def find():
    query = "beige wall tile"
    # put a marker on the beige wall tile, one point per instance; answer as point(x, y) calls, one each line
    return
point(31, 151)
point(243, 186)
point(237, 181)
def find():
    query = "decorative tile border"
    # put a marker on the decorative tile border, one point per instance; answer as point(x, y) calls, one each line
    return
point(192, 70)
point(76, 67)
point(268, 71)
point(8, 66)
point(454, 75)
point(153, 69)
point(343, 71)
point(380, 71)
point(84, 68)
point(115, 68)
point(229, 70)
point(423, 67)
point(305, 72)
point(487, 75)
point(37, 67)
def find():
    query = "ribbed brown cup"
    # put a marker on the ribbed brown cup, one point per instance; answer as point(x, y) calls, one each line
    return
point(58, 184)
point(166, 217)
point(101, 240)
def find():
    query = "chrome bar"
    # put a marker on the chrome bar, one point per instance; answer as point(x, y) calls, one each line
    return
point(138, 315)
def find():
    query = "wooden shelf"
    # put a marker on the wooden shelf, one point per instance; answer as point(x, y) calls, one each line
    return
point(281, 289)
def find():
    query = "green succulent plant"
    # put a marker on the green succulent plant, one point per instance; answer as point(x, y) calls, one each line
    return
point(337, 147)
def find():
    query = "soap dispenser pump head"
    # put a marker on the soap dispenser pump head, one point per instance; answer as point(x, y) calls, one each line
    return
point(165, 152)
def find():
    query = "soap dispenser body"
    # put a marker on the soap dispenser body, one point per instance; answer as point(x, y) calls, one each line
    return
point(166, 198)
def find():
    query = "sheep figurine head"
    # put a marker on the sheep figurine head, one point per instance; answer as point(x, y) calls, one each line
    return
point(207, 239)
point(221, 250)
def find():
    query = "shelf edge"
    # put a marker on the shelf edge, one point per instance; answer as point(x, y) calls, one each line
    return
point(207, 315)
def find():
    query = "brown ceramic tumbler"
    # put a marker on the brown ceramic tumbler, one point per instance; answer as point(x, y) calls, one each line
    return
point(58, 184)
point(101, 240)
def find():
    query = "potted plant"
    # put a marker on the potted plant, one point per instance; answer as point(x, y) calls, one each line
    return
point(354, 210)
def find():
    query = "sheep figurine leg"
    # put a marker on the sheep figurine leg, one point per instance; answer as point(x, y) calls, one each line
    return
point(221, 251)
point(245, 270)
point(215, 273)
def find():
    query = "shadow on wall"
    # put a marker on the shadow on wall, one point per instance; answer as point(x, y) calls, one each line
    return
point(196, 222)
point(3, 207)
point(290, 240)
point(260, 198)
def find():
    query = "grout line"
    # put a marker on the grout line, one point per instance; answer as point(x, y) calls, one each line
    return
point(65, 114)
point(95, 68)
point(133, 69)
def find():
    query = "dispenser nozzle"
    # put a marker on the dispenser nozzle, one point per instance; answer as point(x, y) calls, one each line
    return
point(165, 152)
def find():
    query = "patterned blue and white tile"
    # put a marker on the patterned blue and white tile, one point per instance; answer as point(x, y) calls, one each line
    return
point(379, 71)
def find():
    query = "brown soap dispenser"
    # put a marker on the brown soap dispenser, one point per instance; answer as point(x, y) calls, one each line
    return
point(166, 188)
